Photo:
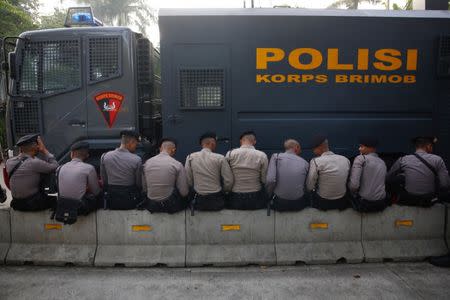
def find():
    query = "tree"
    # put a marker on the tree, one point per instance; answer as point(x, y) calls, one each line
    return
point(13, 20)
point(408, 6)
point(352, 4)
point(123, 12)
point(56, 20)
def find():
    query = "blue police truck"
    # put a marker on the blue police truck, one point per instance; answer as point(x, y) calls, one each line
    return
point(280, 72)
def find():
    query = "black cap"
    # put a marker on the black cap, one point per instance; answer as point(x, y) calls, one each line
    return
point(27, 139)
point(80, 146)
point(130, 133)
point(368, 141)
point(207, 135)
point(423, 140)
point(167, 139)
point(318, 140)
point(247, 133)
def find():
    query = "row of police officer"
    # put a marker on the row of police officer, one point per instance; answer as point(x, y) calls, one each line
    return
point(239, 180)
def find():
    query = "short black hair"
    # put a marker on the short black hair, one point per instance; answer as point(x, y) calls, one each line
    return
point(249, 132)
point(318, 140)
point(422, 141)
point(167, 139)
point(369, 141)
point(207, 135)
point(130, 133)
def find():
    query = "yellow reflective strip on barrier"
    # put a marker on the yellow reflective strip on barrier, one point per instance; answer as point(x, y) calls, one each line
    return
point(141, 228)
point(231, 227)
point(318, 225)
point(53, 226)
point(406, 223)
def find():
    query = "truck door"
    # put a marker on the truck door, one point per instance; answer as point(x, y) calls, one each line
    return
point(50, 98)
point(196, 96)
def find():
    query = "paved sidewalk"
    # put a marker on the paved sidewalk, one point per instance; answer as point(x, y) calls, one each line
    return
point(362, 281)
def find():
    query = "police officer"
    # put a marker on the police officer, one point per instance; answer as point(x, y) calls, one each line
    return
point(286, 178)
point(249, 167)
point(26, 173)
point(205, 171)
point(418, 178)
point(121, 173)
point(164, 180)
point(78, 181)
point(367, 178)
point(327, 177)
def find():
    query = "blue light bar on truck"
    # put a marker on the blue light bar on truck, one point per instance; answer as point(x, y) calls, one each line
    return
point(81, 16)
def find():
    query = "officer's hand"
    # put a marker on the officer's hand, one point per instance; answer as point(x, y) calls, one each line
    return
point(41, 146)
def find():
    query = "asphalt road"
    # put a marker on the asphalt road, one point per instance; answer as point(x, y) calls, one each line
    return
point(362, 281)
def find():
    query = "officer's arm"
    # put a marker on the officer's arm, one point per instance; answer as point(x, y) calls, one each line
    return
point(312, 177)
point(271, 178)
point(395, 170)
point(227, 175)
point(189, 175)
point(93, 185)
point(182, 184)
point(46, 166)
point(103, 174)
point(138, 174)
point(444, 178)
point(355, 174)
point(264, 165)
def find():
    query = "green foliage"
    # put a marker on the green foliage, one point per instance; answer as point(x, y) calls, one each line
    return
point(13, 20)
point(351, 4)
point(56, 20)
point(123, 12)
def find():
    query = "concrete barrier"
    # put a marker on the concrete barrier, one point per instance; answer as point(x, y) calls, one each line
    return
point(403, 233)
point(139, 238)
point(37, 239)
point(312, 236)
point(230, 237)
point(5, 233)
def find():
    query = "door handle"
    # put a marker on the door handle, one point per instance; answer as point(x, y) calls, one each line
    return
point(77, 123)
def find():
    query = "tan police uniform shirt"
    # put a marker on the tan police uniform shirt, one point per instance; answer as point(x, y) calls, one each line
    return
point(249, 167)
point(77, 178)
point(205, 169)
point(121, 167)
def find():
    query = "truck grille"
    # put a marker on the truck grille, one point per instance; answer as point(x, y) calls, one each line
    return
point(26, 117)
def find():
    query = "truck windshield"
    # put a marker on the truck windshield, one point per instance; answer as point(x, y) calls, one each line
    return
point(49, 67)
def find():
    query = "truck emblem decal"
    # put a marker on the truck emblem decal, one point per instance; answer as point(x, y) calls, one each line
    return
point(109, 105)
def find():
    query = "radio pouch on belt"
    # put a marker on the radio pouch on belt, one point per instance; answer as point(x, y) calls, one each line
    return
point(66, 209)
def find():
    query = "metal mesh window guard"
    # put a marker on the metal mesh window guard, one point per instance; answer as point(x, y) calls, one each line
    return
point(202, 88)
point(104, 58)
point(50, 67)
point(26, 117)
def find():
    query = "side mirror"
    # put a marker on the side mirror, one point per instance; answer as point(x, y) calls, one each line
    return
point(12, 65)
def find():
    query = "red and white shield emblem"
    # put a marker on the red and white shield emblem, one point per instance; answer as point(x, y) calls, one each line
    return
point(109, 105)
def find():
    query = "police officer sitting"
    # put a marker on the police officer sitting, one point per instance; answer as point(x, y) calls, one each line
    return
point(286, 178)
point(205, 171)
point(26, 174)
point(164, 181)
point(421, 177)
point(327, 177)
point(78, 187)
point(249, 167)
point(121, 173)
point(367, 178)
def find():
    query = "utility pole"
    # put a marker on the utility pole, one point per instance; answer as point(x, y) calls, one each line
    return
point(388, 4)
point(253, 3)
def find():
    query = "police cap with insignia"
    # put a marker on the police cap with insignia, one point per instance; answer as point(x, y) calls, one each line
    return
point(247, 133)
point(318, 140)
point(27, 139)
point(167, 139)
point(207, 135)
point(80, 146)
point(130, 133)
point(368, 141)
point(424, 140)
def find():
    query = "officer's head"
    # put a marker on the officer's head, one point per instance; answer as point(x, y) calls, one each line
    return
point(425, 143)
point(292, 145)
point(248, 138)
point(367, 145)
point(168, 145)
point(80, 150)
point(320, 145)
point(129, 139)
point(208, 140)
point(29, 144)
